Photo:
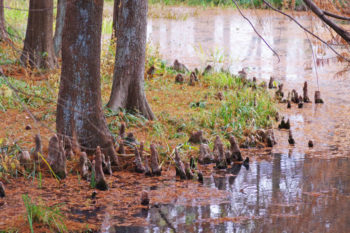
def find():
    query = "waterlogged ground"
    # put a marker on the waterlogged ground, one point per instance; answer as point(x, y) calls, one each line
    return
point(288, 189)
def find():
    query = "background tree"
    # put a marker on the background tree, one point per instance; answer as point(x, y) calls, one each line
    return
point(57, 39)
point(115, 18)
point(128, 79)
point(3, 33)
point(38, 44)
point(79, 108)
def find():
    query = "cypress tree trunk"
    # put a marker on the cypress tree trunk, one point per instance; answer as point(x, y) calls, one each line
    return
point(115, 18)
point(61, 13)
point(128, 81)
point(79, 108)
point(38, 45)
point(3, 33)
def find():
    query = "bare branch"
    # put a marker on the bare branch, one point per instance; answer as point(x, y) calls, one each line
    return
point(321, 14)
point(336, 16)
point(251, 24)
point(305, 29)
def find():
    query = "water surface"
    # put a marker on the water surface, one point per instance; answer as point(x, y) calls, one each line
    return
point(290, 189)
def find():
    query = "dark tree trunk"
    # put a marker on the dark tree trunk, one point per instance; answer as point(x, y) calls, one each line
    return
point(61, 13)
point(115, 18)
point(38, 45)
point(321, 14)
point(3, 33)
point(128, 81)
point(79, 108)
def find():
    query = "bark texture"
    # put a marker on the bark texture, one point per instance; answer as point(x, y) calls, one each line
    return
point(79, 108)
point(61, 14)
point(101, 182)
point(38, 49)
point(115, 18)
point(128, 81)
point(56, 157)
point(3, 33)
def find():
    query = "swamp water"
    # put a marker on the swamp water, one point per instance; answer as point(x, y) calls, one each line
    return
point(291, 189)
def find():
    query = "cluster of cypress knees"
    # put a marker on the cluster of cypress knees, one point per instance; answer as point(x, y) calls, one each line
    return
point(293, 97)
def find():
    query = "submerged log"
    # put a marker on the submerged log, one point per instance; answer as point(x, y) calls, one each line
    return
point(139, 168)
point(38, 148)
point(306, 98)
point(179, 166)
point(318, 99)
point(56, 157)
point(83, 165)
point(100, 179)
point(205, 155)
point(179, 79)
point(179, 67)
point(234, 149)
point(156, 170)
point(2, 190)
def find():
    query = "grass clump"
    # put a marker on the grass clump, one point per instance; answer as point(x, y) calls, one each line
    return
point(49, 216)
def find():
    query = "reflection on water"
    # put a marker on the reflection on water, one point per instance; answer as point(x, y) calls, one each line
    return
point(223, 37)
point(288, 194)
point(299, 189)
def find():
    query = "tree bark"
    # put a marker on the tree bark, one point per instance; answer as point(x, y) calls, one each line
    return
point(3, 33)
point(79, 108)
point(115, 18)
point(61, 13)
point(38, 44)
point(128, 81)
